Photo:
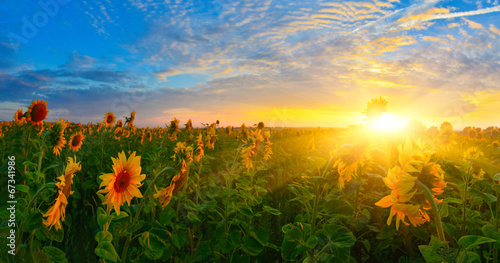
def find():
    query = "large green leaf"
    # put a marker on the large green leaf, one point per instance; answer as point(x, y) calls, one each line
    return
point(339, 208)
point(430, 251)
point(55, 255)
point(53, 234)
point(152, 241)
point(39, 256)
point(490, 232)
point(271, 210)
point(102, 217)
point(106, 250)
point(471, 241)
point(103, 236)
point(339, 236)
point(292, 239)
point(32, 221)
point(252, 246)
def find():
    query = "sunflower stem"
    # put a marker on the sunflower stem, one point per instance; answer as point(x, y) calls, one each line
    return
point(439, 223)
point(139, 209)
point(28, 208)
point(466, 188)
point(496, 225)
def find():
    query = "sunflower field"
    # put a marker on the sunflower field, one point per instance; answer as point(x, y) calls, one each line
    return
point(115, 192)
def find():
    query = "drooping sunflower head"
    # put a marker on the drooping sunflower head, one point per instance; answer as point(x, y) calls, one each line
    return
point(375, 108)
point(189, 125)
point(76, 141)
point(56, 136)
point(123, 184)
point(109, 119)
point(118, 132)
point(58, 209)
point(18, 116)
point(119, 123)
point(130, 121)
point(495, 144)
point(471, 133)
point(37, 112)
point(260, 125)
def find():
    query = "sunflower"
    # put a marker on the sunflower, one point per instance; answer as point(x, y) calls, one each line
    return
point(119, 123)
point(109, 119)
point(201, 149)
point(1, 133)
point(76, 141)
point(414, 164)
point(37, 112)
point(260, 125)
point(18, 116)
point(118, 132)
point(58, 210)
point(165, 194)
point(179, 180)
point(251, 150)
point(375, 108)
point(474, 170)
point(211, 138)
point(123, 184)
point(189, 125)
point(130, 121)
point(349, 157)
point(267, 148)
point(57, 136)
point(173, 129)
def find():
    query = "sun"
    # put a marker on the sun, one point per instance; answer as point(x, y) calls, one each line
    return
point(387, 122)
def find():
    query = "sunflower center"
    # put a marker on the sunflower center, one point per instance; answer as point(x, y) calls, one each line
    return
point(76, 140)
point(39, 112)
point(122, 181)
point(109, 119)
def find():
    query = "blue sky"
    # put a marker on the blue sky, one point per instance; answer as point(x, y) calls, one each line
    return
point(287, 63)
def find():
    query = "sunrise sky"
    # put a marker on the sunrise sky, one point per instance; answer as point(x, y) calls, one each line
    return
point(287, 63)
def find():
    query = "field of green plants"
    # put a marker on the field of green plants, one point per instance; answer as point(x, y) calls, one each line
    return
point(114, 192)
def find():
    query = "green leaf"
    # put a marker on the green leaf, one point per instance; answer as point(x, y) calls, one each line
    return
point(102, 217)
point(32, 221)
point(311, 242)
point(490, 232)
point(453, 200)
point(192, 217)
point(104, 236)
point(152, 241)
point(106, 250)
point(31, 165)
point(39, 256)
point(55, 255)
point(123, 214)
point(339, 236)
point(53, 234)
point(23, 188)
point(271, 210)
point(496, 188)
point(291, 240)
point(153, 254)
point(49, 167)
point(339, 208)
point(430, 251)
point(485, 196)
point(489, 168)
point(471, 241)
point(468, 257)
point(252, 246)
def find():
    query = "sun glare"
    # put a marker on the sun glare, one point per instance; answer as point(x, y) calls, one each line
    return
point(388, 122)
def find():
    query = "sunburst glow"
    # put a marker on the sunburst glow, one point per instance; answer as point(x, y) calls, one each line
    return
point(388, 122)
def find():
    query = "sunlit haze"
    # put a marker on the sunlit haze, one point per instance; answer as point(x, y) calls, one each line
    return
point(286, 63)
